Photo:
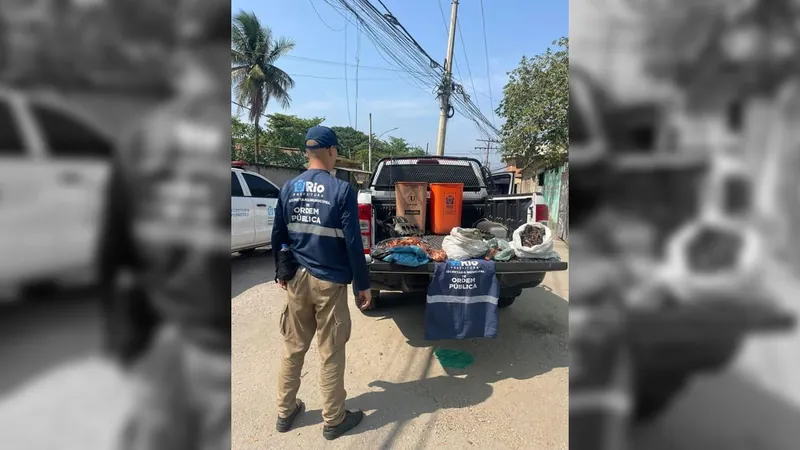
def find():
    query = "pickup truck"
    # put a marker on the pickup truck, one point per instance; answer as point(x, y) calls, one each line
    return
point(667, 345)
point(377, 204)
point(253, 202)
point(513, 209)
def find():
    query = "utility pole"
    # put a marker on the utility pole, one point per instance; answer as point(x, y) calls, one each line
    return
point(447, 82)
point(487, 149)
point(370, 143)
point(426, 149)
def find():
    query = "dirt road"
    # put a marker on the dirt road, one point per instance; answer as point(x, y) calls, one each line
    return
point(514, 396)
point(753, 403)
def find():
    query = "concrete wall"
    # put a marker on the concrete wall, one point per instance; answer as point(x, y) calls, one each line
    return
point(278, 175)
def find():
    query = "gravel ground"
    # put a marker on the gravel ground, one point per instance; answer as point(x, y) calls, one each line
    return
point(514, 396)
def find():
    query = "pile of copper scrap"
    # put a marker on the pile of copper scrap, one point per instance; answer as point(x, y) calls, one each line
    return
point(413, 241)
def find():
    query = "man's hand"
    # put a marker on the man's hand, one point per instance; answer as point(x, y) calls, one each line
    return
point(364, 300)
point(282, 284)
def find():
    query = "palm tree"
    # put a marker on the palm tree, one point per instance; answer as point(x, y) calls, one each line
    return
point(254, 76)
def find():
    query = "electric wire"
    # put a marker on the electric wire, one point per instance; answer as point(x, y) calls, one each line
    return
point(469, 69)
point(446, 33)
point(321, 19)
point(346, 81)
point(486, 51)
point(358, 61)
point(395, 44)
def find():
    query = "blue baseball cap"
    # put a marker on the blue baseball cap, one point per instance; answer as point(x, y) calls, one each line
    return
point(324, 137)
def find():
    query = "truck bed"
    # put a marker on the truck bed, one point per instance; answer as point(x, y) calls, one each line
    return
point(509, 267)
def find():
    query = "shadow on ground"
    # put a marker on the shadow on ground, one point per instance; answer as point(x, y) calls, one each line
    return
point(532, 340)
point(251, 270)
point(724, 411)
point(532, 335)
point(46, 330)
point(401, 402)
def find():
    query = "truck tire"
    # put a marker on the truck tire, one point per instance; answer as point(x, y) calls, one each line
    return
point(505, 302)
point(654, 396)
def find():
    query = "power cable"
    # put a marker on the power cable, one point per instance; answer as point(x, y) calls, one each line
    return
point(469, 69)
point(486, 51)
point(446, 32)
point(339, 63)
point(398, 48)
point(346, 81)
point(338, 78)
point(358, 61)
point(247, 108)
point(321, 19)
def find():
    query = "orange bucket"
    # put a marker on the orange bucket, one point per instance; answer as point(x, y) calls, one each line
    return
point(446, 200)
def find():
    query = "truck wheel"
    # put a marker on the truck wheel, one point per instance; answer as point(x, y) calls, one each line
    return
point(653, 397)
point(505, 302)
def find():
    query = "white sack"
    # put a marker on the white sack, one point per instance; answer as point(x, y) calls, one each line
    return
point(464, 243)
point(542, 251)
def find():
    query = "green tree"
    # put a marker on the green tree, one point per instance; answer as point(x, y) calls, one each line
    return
point(719, 49)
point(351, 142)
point(241, 138)
point(400, 147)
point(284, 133)
point(287, 132)
point(535, 103)
point(254, 76)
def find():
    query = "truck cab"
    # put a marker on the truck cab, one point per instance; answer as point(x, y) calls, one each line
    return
point(512, 208)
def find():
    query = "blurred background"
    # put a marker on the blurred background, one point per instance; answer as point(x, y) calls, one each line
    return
point(75, 75)
point(684, 152)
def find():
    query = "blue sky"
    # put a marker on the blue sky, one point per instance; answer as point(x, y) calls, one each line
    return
point(513, 29)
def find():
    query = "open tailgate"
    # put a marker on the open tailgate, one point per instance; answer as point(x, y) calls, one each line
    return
point(507, 267)
point(708, 318)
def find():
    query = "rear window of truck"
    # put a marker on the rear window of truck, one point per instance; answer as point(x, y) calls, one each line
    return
point(412, 172)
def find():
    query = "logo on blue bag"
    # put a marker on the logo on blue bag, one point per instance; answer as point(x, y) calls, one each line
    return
point(454, 263)
point(299, 186)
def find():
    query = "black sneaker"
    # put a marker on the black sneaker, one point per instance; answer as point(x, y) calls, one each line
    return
point(351, 420)
point(285, 423)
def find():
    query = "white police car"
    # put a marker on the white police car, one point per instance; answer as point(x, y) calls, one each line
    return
point(54, 165)
point(253, 202)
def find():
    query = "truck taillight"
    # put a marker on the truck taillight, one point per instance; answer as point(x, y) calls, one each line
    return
point(542, 213)
point(365, 222)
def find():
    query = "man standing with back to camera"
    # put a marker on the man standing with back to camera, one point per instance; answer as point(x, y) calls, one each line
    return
point(167, 226)
point(317, 219)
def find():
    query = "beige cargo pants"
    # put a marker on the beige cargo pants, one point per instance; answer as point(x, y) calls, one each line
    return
point(313, 306)
point(182, 397)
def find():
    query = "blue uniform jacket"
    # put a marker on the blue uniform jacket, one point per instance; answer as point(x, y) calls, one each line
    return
point(317, 216)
